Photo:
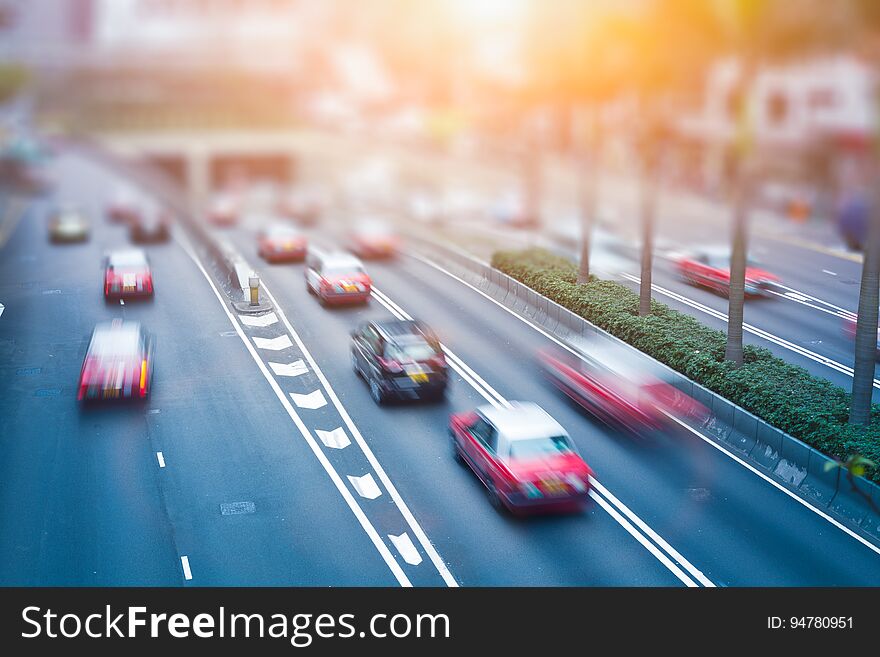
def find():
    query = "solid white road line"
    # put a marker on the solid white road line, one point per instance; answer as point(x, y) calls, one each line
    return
point(777, 485)
point(417, 530)
point(815, 299)
point(650, 547)
point(274, 344)
point(488, 392)
point(187, 573)
point(597, 489)
point(260, 321)
point(296, 368)
point(703, 437)
point(335, 439)
point(693, 570)
point(365, 486)
point(352, 503)
point(312, 401)
point(161, 458)
point(754, 330)
point(407, 550)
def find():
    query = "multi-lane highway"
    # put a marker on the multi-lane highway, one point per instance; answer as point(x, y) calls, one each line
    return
point(803, 321)
point(262, 459)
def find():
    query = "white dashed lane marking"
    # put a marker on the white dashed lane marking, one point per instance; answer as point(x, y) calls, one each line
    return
point(335, 439)
point(295, 368)
point(274, 344)
point(260, 321)
point(161, 458)
point(365, 486)
point(407, 550)
point(1, 309)
point(187, 573)
point(312, 401)
point(829, 272)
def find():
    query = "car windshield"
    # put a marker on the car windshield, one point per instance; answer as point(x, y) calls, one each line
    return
point(536, 448)
point(412, 347)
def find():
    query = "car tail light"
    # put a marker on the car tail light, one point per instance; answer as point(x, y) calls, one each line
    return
point(391, 366)
point(143, 382)
point(148, 283)
point(438, 361)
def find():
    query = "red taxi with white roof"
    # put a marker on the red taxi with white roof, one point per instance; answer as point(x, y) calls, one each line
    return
point(618, 385)
point(523, 456)
point(127, 274)
point(118, 363)
point(337, 278)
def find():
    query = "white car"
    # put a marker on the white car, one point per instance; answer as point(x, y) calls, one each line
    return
point(336, 278)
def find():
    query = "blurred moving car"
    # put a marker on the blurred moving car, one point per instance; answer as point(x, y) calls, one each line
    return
point(123, 206)
point(302, 206)
point(849, 330)
point(523, 456)
point(150, 227)
point(223, 211)
point(69, 224)
point(399, 360)
point(118, 363)
point(127, 274)
point(710, 268)
point(282, 243)
point(372, 238)
point(617, 385)
point(337, 278)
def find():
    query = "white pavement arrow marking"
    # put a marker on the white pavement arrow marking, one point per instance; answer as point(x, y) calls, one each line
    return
point(274, 344)
point(312, 400)
point(407, 550)
point(292, 369)
point(365, 486)
point(261, 321)
point(335, 439)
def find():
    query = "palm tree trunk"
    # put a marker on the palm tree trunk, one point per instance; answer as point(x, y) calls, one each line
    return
point(866, 324)
point(739, 248)
point(648, 211)
point(587, 213)
point(588, 180)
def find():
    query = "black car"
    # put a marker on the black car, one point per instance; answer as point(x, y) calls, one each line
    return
point(149, 227)
point(399, 360)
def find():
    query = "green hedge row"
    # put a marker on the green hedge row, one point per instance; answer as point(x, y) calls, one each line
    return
point(784, 395)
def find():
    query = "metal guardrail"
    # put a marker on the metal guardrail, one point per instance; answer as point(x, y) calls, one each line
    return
point(793, 463)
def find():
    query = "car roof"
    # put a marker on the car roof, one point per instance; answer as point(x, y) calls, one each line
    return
point(127, 258)
point(115, 338)
point(523, 420)
point(340, 259)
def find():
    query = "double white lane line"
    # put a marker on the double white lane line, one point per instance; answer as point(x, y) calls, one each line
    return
point(338, 481)
point(754, 330)
point(647, 537)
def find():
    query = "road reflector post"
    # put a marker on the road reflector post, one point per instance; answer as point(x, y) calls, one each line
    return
point(254, 284)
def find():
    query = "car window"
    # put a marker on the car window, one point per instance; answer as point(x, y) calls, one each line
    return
point(410, 348)
point(534, 448)
point(485, 433)
point(373, 340)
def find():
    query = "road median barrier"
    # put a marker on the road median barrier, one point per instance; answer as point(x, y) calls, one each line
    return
point(786, 459)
